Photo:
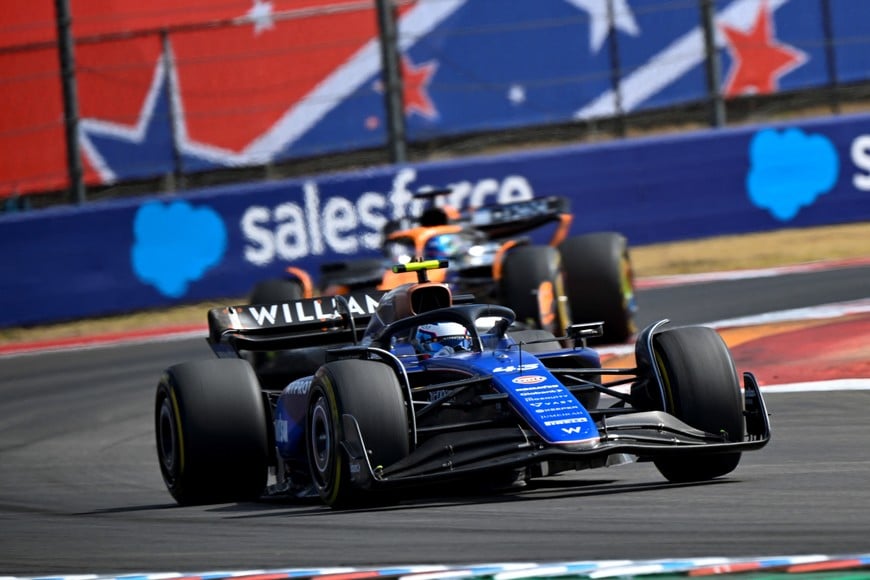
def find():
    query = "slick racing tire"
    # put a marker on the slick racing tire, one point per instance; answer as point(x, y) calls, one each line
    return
point(600, 284)
point(589, 397)
point(532, 336)
point(276, 291)
point(531, 285)
point(702, 389)
point(210, 426)
point(369, 393)
point(272, 291)
point(365, 273)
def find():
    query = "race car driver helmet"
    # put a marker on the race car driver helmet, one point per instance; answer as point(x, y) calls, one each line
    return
point(442, 246)
point(442, 338)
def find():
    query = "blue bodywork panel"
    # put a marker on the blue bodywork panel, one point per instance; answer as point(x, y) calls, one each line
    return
point(534, 393)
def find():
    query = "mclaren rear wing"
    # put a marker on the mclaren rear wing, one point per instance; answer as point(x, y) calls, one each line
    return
point(298, 323)
point(519, 217)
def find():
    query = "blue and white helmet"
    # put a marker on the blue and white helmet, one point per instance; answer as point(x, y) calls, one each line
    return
point(442, 247)
point(432, 338)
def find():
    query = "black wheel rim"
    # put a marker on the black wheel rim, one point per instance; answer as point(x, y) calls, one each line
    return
point(167, 439)
point(322, 442)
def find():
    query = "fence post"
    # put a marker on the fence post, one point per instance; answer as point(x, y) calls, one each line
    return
point(712, 63)
point(70, 99)
point(391, 77)
point(831, 56)
point(615, 69)
point(169, 66)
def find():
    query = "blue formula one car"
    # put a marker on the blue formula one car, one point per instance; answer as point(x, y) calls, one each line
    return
point(416, 386)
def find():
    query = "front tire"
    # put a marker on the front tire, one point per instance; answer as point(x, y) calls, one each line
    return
point(600, 283)
point(210, 427)
point(369, 392)
point(702, 389)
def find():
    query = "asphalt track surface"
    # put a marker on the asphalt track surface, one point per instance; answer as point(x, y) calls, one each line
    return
point(81, 493)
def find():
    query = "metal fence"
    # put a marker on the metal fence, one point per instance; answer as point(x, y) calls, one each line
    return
point(164, 98)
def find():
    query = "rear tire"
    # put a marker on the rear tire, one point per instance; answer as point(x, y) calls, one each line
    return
point(362, 273)
point(272, 291)
point(210, 426)
point(531, 336)
point(532, 286)
point(702, 389)
point(370, 392)
point(276, 291)
point(599, 283)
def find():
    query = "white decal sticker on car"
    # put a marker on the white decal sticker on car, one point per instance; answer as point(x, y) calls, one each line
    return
point(515, 369)
point(529, 379)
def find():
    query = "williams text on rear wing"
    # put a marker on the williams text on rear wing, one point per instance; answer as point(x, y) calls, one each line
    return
point(292, 324)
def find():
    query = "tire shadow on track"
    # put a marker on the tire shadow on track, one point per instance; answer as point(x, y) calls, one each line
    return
point(537, 490)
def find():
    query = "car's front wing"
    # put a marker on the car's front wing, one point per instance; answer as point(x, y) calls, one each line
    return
point(647, 435)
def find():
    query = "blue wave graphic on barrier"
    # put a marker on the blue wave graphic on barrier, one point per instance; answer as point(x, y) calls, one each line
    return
point(789, 170)
point(176, 244)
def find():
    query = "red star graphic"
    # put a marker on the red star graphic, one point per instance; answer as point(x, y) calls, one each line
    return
point(759, 60)
point(416, 80)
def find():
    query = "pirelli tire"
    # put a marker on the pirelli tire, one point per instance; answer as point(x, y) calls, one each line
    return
point(211, 432)
point(362, 273)
point(272, 291)
point(532, 286)
point(702, 389)
point(276, 291)
point(535, 340)
point(599, 283)
point(370, 393)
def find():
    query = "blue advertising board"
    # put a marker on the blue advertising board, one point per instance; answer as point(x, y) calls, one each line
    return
point(115, 256)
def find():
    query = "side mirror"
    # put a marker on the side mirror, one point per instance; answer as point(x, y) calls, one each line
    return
point(583, 332)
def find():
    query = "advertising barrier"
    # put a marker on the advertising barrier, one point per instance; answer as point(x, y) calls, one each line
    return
point(149, 252)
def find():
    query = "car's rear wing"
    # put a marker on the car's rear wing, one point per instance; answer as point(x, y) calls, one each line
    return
point(511, 219)
point(293, 324)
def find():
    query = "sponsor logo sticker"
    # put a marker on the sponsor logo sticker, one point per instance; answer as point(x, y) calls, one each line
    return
point(281, 435)
point(529, 379)
point(565, 421)
point(516, 369)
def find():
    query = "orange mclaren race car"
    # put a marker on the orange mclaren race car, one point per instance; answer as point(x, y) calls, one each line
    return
point(568, 280)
